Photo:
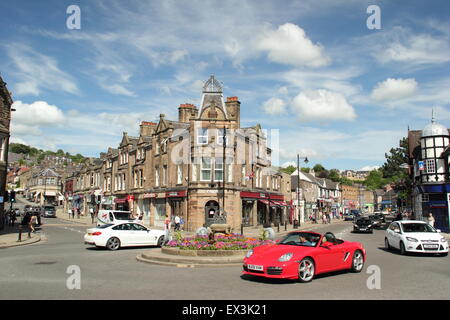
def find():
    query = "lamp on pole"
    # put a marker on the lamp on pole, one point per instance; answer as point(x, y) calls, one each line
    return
point(305, 159)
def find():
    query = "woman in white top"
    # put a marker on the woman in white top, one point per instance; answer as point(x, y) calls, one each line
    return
point(430, 219)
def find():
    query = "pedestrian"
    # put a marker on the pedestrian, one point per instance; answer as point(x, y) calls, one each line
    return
point(70, 212)
point(26, 223)
point(328, 217)
point(12, 218)
point(78, 213)
point(92, 212)
point(181, 223)
point(177, 223)
point(167, 228)
point(32, 223)
point(430, 219)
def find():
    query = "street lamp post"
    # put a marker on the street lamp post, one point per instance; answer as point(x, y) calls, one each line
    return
point(298, 185)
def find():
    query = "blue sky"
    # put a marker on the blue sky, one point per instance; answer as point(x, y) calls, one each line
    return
point(338, 92)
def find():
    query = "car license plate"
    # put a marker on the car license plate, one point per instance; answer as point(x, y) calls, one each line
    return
point(253, 267)
point(430, 246)
point(362, 229)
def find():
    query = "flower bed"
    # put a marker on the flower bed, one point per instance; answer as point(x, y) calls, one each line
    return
point(221, 242)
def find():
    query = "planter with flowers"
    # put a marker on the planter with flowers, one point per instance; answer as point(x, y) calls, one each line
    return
point(219, 245)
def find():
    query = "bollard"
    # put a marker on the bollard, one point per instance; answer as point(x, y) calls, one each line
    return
point(20, 233)
point(242, 229)
point(278, 227)
point(285, 226)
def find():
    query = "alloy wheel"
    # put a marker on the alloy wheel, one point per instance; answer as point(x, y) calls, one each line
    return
point(358, 261)
point(113, 244)
point(306, 270)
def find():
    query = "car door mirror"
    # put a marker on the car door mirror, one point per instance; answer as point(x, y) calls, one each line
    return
point(397, 230)
point(438, 230)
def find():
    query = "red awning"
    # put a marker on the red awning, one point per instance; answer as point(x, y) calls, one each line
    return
point(122, 200)
point(266, 202)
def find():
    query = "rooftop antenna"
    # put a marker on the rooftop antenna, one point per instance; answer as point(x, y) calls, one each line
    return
point(433, 120)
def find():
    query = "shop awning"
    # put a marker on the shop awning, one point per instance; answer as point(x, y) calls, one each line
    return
point(266, 202)
point(122, 200)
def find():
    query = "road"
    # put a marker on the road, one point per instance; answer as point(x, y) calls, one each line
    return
point(39, 271)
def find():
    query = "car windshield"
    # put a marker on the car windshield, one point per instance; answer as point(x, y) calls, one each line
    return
point(417, 227)
point(49, 208)
point(363, 221)
point(301, 239)
point(122, 215)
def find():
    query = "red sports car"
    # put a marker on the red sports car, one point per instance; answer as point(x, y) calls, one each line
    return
point(302, 255)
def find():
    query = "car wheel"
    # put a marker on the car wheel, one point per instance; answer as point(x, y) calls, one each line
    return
point(113, 243)
point(160, 241)
point(387, 246)
point(358, 261)
point(306, 270)
point(402, 249)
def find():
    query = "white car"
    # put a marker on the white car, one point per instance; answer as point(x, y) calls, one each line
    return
point(415, 236)
point(128, 234)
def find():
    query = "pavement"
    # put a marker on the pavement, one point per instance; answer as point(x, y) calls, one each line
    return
point(9, 237)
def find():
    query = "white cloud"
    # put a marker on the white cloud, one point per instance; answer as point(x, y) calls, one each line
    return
point(274, 106)
point(38, 113)
point(394, 89)
point(322, 105)
point(290, 45)
point(37, 71)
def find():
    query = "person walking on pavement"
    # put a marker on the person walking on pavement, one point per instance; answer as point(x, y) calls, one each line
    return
point(92, 212)
point(177, 223)
point(78, 213)
point(167, 228)
point(12, 218)
point(430, 219)
point(70, 212)
point(26, 223)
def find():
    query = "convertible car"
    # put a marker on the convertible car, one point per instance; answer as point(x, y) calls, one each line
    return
point(302, 255)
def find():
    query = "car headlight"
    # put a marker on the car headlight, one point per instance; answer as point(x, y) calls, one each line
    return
point(369, 226)
point(249, 254)
point(443, 239)
point(412, 239)
point(285, 257)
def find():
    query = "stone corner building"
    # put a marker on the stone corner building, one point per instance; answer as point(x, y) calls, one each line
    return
point(203, 167)
point(5, 119)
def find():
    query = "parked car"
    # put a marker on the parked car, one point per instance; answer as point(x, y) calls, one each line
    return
point(355, 213)
point(48, 211)
point(415, 236)
point(363, 224)
point(348, 216)
point(115, 236)
point(113, 217)
point(303, 255)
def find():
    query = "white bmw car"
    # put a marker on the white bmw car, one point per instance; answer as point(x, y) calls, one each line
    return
point(129, 234)
point(415, 236)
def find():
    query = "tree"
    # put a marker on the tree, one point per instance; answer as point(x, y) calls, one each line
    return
point(289, 169)
point(375, 180)
point(394, 173)
point(318, 168)
point(334, 175)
